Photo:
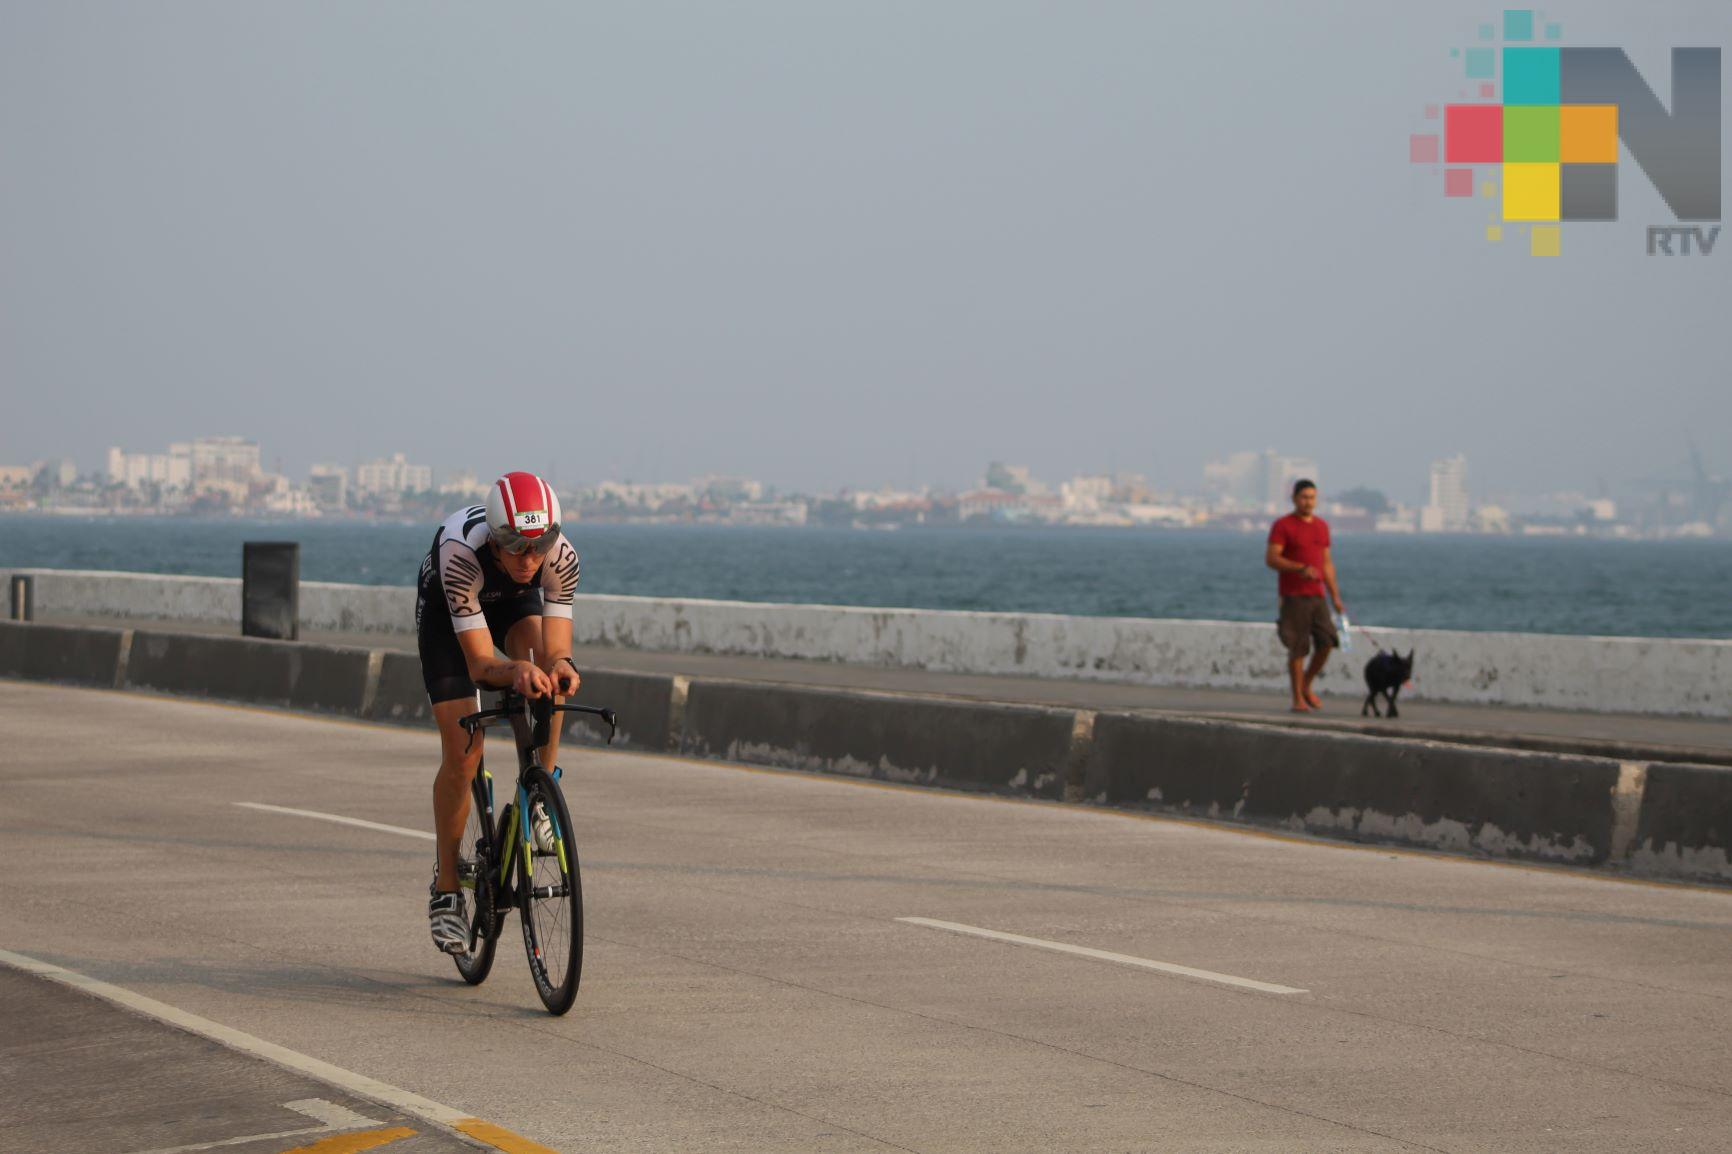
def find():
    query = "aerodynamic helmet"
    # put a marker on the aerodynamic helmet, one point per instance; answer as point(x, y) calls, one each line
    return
point(522, 513)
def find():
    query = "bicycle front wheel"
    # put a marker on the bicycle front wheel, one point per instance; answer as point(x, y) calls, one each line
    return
point(550, 894)
point(475, 865)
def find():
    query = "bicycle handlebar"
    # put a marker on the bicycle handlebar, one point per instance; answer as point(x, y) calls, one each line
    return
point(482, 719)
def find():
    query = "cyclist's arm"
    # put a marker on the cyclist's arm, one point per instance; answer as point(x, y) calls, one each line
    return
point(558, 595)
point(556, 635)
point(487, 669)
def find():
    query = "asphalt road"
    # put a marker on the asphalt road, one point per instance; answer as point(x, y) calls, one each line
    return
point(750, 983)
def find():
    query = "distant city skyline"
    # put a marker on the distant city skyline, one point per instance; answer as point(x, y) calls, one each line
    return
point(1414, 486)
point(823, 245)
point(225, 475)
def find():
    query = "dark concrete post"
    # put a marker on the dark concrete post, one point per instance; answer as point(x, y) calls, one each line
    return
point(271, 589)
point(23, 597)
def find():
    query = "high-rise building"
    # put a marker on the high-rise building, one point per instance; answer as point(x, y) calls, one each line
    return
point(1238, 479)
point(393, 477)
point(1280, 473)
point(1447, 510)
point(233, 459)
point(170, 470)
point(329, 485)
point(1257, 480)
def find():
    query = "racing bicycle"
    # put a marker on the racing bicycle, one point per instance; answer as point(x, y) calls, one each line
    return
point(525, 857)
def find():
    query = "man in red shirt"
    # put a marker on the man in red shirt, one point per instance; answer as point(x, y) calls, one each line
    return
point(1299, 552)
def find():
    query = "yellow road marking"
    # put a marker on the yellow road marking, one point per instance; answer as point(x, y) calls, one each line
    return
point(500, 1138)
point(349, 1143)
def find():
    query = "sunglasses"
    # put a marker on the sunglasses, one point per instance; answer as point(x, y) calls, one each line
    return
point(523, 545)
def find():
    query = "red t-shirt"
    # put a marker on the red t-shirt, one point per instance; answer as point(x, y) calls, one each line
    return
point(1304, 542)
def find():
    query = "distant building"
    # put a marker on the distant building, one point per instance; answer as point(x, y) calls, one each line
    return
point(279, 496)
point(729, 490)
point(1172, 516)
point(886, 499)
point(768, 513)
point(463, 486)
point(233, 459)
point(392, 478)
point(1397, 520)
point(168, 471)
point(1281, 473)
point(1238, 479)
point(1258, 480)
point(1000, 505)
point(329, 487)
point(1492, 519)
point(59, 473)
point(650, 497)
point(15, 485)
point(1010, 479)
point(1447, 510)
point(1086, 494)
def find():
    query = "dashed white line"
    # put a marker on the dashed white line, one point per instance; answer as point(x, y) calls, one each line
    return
point(400, 831)
point(1106, 956)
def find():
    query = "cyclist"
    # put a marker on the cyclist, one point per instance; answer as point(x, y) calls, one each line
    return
point(500, 576)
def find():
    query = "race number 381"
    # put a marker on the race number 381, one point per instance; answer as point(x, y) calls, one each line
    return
point(532, 519)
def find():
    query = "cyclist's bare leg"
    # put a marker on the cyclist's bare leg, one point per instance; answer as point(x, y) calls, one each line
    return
point(520, 639)
point(451, 787)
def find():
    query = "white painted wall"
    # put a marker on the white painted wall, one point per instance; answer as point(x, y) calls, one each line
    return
point(1611, 674)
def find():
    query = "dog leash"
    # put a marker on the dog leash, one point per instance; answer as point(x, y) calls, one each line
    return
point(1372, 637)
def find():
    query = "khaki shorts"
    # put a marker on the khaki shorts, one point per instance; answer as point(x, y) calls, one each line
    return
point(1305, 621)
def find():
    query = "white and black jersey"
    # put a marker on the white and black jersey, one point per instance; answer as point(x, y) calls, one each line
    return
point(469, 580)
point(462, 587)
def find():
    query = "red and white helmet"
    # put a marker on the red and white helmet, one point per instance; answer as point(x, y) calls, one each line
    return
point(522, 513)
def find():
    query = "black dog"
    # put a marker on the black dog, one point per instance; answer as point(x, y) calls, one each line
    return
point(1386, 673)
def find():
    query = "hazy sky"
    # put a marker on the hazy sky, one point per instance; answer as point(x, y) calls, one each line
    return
point(819, 243)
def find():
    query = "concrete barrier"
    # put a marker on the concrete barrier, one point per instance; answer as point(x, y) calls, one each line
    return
point(971, 745)
point(1498, 802)
point(323, 678)
point(641, 701)
point(400, 696)
point(77, 656)
point(1685, 827)
point(14, 641)
point(1608, 674)
point(1657, 819)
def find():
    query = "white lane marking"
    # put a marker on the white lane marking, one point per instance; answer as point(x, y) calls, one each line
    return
point(242, 1140)
point(1106, 956)
point(338, 818)
point(357, 1084)
point(331, 1114)
point(334, 1117)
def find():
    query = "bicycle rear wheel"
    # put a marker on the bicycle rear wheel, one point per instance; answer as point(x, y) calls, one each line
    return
point(477, 861)
point(550, 898)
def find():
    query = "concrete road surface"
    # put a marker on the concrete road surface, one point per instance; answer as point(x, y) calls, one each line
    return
point(1095, 981)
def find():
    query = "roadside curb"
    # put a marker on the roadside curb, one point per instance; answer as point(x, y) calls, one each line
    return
point(1654, 819)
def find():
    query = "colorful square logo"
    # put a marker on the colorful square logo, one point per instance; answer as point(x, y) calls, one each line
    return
point(1551, 123)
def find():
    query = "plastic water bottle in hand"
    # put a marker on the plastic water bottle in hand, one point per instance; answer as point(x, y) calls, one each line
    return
point(1345, 628)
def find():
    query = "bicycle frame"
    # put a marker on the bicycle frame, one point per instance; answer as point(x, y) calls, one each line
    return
point(531, 726)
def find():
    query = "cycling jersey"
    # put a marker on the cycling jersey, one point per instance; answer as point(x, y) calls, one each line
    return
point(462, 587)
point(469, 579)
